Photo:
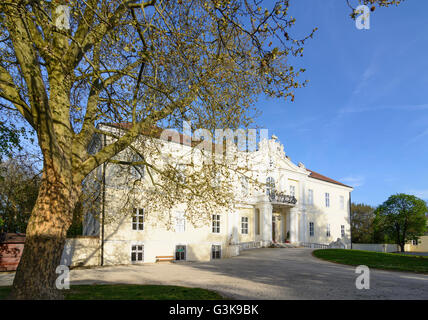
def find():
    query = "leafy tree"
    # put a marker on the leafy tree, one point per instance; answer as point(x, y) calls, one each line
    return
point(362, 216)
point(143, 62)
point(402, 218)
point(19, 188)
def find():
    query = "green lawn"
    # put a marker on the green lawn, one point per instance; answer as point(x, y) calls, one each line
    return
point(390, 261)
point(131, 292)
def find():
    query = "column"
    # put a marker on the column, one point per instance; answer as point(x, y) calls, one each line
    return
point(266, 222)
point(294, 225)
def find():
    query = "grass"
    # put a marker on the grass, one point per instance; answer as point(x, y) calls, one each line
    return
point(131, 292)
point(388, 261)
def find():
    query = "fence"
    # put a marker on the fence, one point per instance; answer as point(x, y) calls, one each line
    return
point(376, 247)
point(250, 245)
point(314, 245)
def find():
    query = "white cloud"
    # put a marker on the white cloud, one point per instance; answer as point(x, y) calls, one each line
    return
point(354, 181)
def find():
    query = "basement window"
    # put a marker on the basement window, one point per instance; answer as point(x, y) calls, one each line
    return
point(216, 251)
point(137, 253)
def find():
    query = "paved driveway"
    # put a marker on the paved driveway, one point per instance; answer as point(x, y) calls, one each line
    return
point(263, 274)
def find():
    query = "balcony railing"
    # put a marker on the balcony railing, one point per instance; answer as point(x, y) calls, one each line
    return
point(276, 196)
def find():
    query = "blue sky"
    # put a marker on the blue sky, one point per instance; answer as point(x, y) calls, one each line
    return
point(363, 119)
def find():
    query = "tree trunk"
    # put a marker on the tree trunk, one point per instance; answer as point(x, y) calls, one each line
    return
point(402, 247)
point(45, 237)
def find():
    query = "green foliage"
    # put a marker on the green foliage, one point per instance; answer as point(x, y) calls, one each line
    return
point(362, 217)
point(18, 194)
point(9, 139)
point(401, 218)
point(390, 261)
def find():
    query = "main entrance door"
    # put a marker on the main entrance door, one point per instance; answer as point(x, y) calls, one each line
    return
point(273, 229)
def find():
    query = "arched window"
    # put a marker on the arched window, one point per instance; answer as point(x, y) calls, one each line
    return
point(270, 186)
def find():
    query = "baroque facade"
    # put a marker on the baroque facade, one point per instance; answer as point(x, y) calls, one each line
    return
point(296, 205)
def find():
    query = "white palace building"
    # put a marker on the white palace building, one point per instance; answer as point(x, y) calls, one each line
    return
point(295, 207)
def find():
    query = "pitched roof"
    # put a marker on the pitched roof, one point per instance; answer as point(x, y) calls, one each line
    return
point(319, 176)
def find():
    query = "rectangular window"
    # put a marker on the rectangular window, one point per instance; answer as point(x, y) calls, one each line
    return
point(342, 202)
point(180, 253)
point(414, 242)
point(311, 197)
point(216, 223)
point(137, 253)
point(216, 251)
point(257, 221)
point(138, 219)
point(292, 191)
point(342, 231)
point(328, 233)
point(244, 186)
point(311, 229)
point(244, 225)
point(327, 199)
point(180, 221)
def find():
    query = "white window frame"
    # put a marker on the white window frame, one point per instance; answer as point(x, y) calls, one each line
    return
point(137, 251)
point(328, 232)
point(311, 229)
point(342, 202)
point(244, 225)
point(244, 186)
point(270, 185)
point(138, 219)
point(218, 245)
point(216, 220)
point(180, 221)
point(327, 199)
point(310, 197)
point(185, 252)
point(292, 190)
point(342, 231)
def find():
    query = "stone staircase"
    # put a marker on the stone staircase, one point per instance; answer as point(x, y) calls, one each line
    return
point(282, 245)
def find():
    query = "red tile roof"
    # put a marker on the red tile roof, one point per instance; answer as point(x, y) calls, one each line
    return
point(319, 176)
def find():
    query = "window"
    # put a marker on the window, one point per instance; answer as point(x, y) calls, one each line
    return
point(327, 199)
point(244, 185)
point(328, 233)
point(342, 202)
point(244, 225)
point(311, 229)
point(180, 221)
point(257, 221)
point(216, 223)
point(270, 186)
point(216, 251)
point(180, 253)
point(292, 191)
point(138, 219)
point(311, 197)
point(137, 171)
point(181, 173)
point(137, 253)
point(271, 163)
point(415, 242)
point(342, 231)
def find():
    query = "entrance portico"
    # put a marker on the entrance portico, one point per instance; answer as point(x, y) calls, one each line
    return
point(278, 217)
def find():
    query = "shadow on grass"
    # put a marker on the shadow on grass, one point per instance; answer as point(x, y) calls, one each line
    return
point(131, 292)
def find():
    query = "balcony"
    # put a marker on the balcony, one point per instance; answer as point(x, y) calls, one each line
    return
point(282, 198)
